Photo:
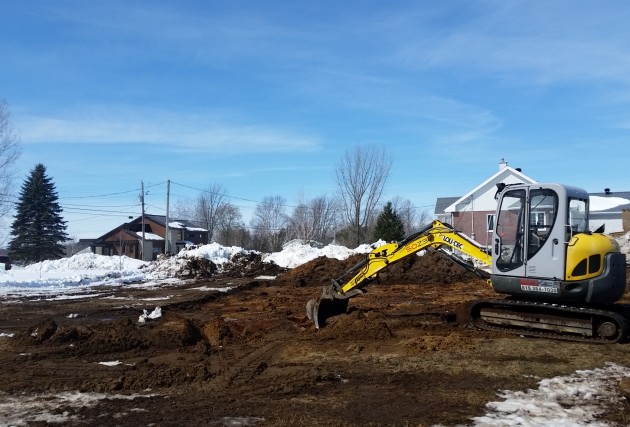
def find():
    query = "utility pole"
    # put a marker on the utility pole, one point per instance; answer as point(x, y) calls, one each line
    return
point(142, 200)
point(167, 246)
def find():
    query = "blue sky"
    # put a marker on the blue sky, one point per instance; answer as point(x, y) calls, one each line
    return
point(265, 97)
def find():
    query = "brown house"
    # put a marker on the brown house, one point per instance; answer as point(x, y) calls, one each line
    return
point(126, 239)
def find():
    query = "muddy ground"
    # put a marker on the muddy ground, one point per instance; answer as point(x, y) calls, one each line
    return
point(403, 355)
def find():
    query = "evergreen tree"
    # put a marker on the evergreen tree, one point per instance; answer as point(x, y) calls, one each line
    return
point(389, 225)
point(38, 230)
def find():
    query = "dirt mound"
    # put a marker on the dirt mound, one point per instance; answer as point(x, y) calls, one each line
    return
point(430, 268)
point(320, 271)
point(251, 264)
point(358, 326)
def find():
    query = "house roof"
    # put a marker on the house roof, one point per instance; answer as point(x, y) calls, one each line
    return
point(499, 176)
point(175, 223)
point(609, 202)
point(444, 202)
point(158, 219)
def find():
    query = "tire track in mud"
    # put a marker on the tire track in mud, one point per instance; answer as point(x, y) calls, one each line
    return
point(257, 373)
point(239, 376)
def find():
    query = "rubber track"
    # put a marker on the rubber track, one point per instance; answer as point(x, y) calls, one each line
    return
point(619, 314)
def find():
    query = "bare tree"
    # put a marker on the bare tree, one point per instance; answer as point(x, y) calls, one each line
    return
point(361, 176)
point(311, 220)
point(9, 153)
point(208, 207)
point(412, 217)
point(269, 221)
point(407, 213)
point(229, 225)
point(183, 210)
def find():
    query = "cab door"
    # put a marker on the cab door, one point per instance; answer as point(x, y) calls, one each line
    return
point(509, 239)
point(545, 239)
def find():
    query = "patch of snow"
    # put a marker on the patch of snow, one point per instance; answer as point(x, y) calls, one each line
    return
point(573, 400)
point(38, 409)
point(149, 236)
point(6, 335)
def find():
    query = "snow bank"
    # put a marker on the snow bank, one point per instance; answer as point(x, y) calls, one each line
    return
point(81, 270)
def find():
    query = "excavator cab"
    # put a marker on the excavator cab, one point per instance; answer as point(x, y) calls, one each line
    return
point(542, 248)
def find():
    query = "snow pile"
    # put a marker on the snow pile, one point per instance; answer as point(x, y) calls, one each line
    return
point(574, 400)
point(193, 261)
point(295, 253)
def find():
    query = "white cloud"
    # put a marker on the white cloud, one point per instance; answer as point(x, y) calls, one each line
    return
point(181, 132)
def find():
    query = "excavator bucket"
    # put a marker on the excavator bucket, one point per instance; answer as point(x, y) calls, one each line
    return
point(320, 310)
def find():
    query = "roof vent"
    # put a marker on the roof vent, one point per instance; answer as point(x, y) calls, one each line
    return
point(519, 170)
point(502, 164)
point(607, 191)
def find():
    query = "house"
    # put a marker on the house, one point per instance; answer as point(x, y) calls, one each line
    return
point(126, 239)
point(473, 213)
point(611, 209)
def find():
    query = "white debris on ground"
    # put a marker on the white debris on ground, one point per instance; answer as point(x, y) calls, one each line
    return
point(155, 314)
point(111, 363)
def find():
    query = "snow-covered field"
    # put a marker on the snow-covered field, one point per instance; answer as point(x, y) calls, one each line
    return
point(573, 400)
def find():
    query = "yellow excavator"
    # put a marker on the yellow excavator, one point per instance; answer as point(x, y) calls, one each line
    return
point(562, 280)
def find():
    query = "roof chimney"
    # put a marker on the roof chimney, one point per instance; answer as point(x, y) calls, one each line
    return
point(607, 191)
point(502, 164)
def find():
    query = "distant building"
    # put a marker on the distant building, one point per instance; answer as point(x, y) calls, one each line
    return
point(610, 209)
point(126, 239)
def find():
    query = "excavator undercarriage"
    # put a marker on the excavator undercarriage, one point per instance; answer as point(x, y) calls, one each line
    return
point(539, 319)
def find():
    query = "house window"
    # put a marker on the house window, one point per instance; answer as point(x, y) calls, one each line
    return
point(537, 218)
point(490, 222)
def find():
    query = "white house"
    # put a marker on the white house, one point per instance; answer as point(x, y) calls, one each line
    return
point(473, 213)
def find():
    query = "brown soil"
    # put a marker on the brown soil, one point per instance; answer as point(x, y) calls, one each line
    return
point(402, 355)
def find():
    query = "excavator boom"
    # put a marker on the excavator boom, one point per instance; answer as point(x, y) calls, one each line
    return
point(437, 235)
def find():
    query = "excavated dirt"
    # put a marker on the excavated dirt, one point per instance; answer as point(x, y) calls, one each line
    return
point(235, 350)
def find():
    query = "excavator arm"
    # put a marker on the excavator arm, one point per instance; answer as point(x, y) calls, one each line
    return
point(437, 235)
